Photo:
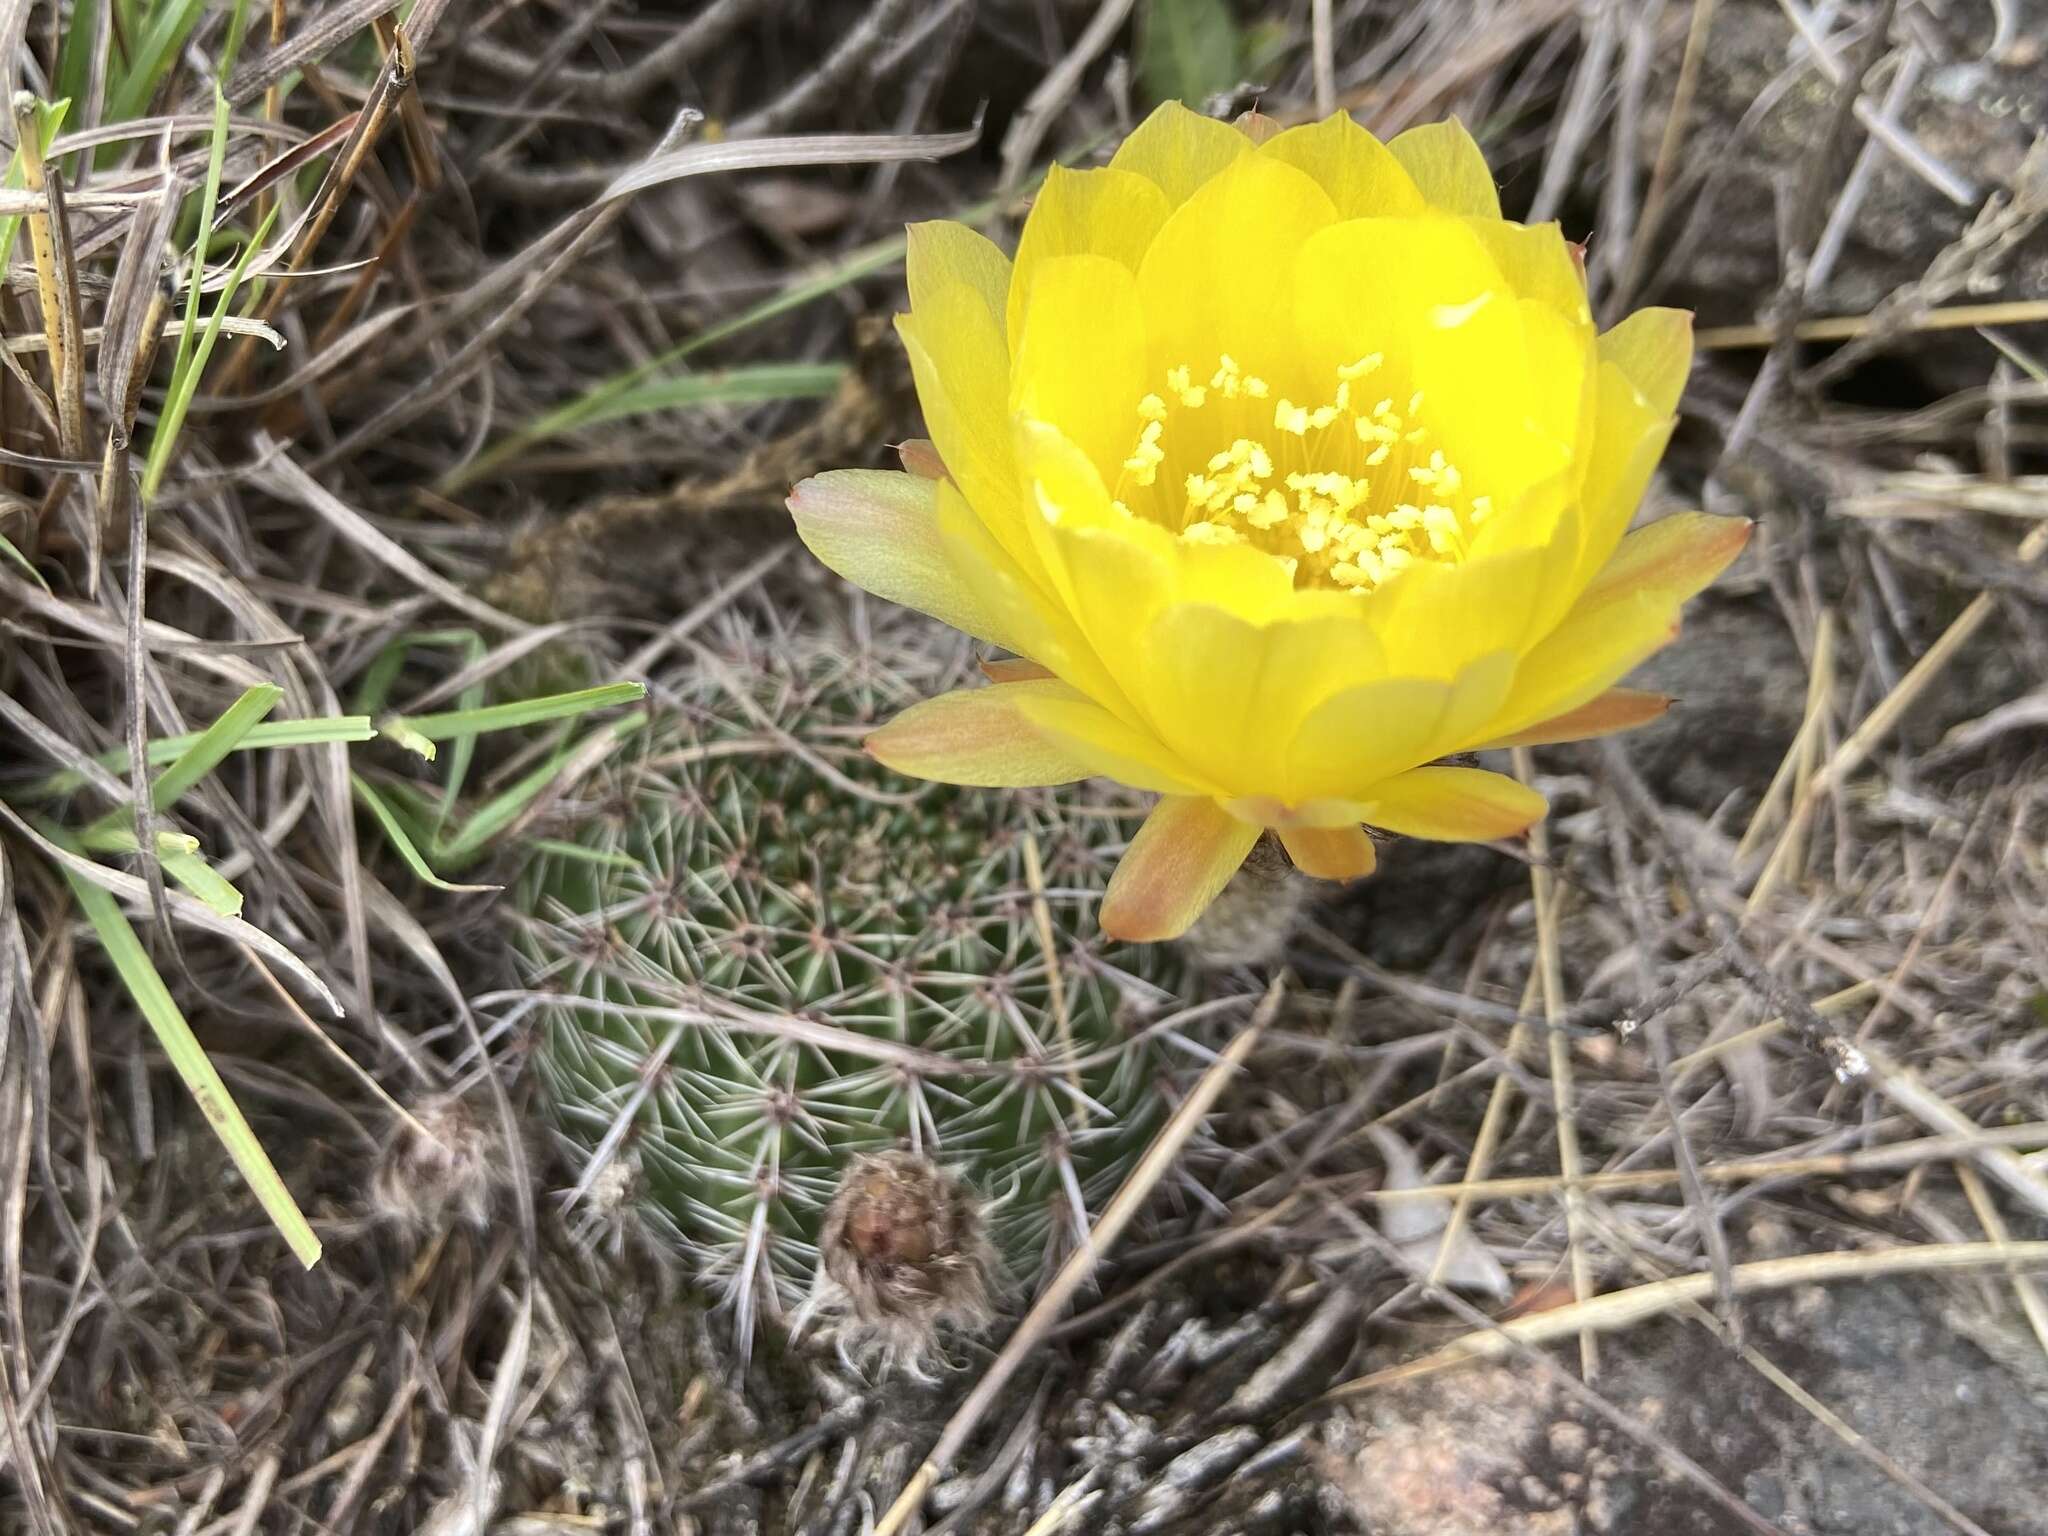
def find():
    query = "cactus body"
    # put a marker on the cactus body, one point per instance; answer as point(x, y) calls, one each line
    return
point(765, 955)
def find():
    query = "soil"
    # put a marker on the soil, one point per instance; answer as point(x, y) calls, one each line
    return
point(1497, 1448)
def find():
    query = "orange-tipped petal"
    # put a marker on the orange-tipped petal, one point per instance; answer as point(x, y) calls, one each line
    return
point(1628, 612)
point(1316, 815)
point(1013, 669)
point(1454, 805)
point(1673, 559)
point(1330, 853)
point(976, 736)
point(1181, 858)
point(921, 458)
point(1255, 125)
point(1618, 709)
point(880, 530)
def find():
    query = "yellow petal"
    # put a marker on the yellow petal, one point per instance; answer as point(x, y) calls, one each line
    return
point(1303, 816)
point(1230, 695)
point(1618, 709)
point(1111, 571)
point(977, 736)
point(1628, 439)
point(1449, 168)
point(1538, 263)
point(1080, 358)
point(1332, 853)
point(1360, 174)
point(1583, 657)
point(1434, 619)
point(1366, 735)
point(962, 369)
point(1425, 296)
point(1181, 858)
point(879, 529)
point(1111, 747)
point(1024, 615)
point(1628, 611)
point(1178, 150)
point(940, 253)
point(1550, 527)
point(1107, 212)
point(1561, 357)
point(1454, 805)
point(1502, 386)
point(1217, 279)
point(1654, 348)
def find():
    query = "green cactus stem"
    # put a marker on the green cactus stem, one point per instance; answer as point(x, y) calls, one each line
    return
point(763, 955)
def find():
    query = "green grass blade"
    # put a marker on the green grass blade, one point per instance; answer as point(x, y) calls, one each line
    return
point(1188, 50)
point(206, 752)
point(395, 729)
point(185, 385)
point(723, 386)
point(401, 840)
point(214, 744)
point(576, 853)
point(167, 749)
point(590, 405)
point(191, 870)
point(74, 57)
point(119, 837)
point(209, 200)
point(27, 566)
point(140, 976)
point(155, 52)
point(238, 30)
point(505, 717)
point(496, 814)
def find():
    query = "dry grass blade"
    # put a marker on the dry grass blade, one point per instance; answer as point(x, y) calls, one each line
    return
point(1550, 968)
point(1028, 128)
point(1881, 721)
point(1624, 1309)
point(176, 904)
point(1890, 1158)
point(285, 476)
point(1045, 1312)
point(728, 155)
point(1906, 1090)
point(1651, 220)
point(1953, 317)
point(315, 37)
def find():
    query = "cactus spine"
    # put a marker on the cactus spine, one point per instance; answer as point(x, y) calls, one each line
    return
point(763, 956)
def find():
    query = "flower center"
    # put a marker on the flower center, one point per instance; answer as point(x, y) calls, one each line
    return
point(1348, 493)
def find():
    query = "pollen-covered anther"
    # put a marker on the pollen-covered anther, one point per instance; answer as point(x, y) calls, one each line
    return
point(1332, 503)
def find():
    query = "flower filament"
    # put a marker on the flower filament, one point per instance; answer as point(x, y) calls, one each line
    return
point(1348, 493)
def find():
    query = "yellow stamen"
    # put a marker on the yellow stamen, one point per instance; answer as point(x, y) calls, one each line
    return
point(1329, 501)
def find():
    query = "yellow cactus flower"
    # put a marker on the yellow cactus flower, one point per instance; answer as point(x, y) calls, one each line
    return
point(1286, 468)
